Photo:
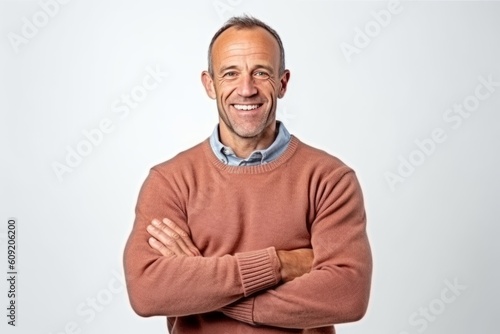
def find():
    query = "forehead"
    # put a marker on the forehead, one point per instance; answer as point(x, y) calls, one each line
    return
point(254, 42)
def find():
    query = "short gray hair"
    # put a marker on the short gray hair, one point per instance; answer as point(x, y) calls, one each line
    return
point(246, 22)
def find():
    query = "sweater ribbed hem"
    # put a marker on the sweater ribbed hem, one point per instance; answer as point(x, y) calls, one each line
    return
point(241, 311)
point(259, 270)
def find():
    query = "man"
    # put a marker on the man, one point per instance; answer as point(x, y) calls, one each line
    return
point(250, 231)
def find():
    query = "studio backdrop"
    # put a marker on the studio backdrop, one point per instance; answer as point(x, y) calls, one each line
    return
point(95, 93)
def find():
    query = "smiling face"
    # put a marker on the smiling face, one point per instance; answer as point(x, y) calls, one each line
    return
point(246, 84)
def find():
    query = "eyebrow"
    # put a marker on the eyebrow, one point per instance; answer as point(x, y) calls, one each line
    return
point(224, 69)
point(235, 67)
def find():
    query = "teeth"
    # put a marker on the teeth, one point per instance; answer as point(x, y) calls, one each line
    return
point(246, 107)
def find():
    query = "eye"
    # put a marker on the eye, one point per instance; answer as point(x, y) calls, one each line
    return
point(261, 74)
point(230, 74)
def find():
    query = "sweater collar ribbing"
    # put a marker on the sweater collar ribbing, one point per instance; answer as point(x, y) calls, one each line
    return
point(287, 154)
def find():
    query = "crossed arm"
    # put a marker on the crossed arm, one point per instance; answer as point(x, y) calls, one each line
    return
point(170, 240)
point(283, 290)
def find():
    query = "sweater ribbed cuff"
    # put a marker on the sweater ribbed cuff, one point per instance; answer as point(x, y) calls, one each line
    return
point(241, 310)
point(259, 270)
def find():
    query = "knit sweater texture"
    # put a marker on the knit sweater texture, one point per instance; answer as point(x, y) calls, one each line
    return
point(238, 217)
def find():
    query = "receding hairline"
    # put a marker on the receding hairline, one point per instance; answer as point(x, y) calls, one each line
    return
point(268, 34)
point(246, 22)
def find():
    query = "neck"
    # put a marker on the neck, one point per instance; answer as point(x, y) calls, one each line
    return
point(242, 146)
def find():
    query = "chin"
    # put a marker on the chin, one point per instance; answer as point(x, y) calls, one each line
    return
point(250, 132)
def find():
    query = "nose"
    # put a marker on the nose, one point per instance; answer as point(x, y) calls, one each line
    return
point(246, 86)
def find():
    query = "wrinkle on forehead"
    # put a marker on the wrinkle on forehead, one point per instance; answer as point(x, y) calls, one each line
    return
point(248, 49)
point(262, 57)
point(254, 43)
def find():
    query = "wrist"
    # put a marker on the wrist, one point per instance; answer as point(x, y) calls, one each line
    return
point(282, 261)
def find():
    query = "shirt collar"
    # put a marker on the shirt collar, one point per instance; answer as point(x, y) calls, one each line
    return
point(257, 157)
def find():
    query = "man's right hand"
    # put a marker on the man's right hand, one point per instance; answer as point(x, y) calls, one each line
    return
point(295, 263)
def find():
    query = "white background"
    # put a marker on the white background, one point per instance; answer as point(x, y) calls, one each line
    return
point(440, 224)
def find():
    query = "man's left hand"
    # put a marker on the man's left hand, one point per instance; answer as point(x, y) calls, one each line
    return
point(169, 239)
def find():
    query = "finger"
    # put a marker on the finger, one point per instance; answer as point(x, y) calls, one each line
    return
point(175, 239)
point(166, 240)
point(184, 236)
point(171, 239)
point(155, 244)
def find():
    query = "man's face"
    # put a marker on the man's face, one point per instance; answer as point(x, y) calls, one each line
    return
point(246, 82)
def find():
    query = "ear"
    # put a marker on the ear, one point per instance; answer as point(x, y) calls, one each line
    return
point(284, 83)
point(208, 83)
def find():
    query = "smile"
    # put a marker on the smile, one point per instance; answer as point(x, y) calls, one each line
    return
point(246, 106)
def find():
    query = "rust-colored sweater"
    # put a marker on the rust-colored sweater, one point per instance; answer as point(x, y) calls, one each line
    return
point(238, 217)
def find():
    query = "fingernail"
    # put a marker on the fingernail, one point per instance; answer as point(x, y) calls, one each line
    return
point(156, 222)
